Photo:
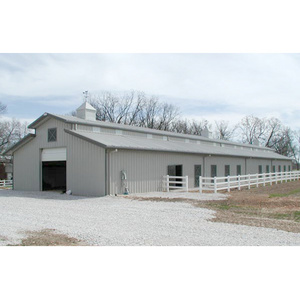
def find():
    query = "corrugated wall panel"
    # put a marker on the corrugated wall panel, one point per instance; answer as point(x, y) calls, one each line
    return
point(145, 169)
point(85, 162)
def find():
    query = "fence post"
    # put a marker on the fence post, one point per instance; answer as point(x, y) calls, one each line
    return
point(281, 175)
point(239, 182)
point(187, 183)
point(275, 177)
point(168, 189)
point(256, 180)
point(228, 184)
point(264, 179)
point(4, 183)
point(200, 184)
point(249, 181)
point(215, 184)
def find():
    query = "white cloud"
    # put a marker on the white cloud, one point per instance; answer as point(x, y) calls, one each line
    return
point(239, 84)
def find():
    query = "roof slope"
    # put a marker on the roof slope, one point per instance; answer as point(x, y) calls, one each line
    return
point(139, 143)
point(75, 120)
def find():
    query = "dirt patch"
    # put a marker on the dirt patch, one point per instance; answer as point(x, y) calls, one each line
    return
point(276, 206)
point(48, 237)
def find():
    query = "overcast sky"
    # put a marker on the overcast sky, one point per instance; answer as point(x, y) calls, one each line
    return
point(211, 86)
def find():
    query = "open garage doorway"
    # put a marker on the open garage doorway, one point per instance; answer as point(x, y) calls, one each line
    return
point(54, 175)
point(54, 169)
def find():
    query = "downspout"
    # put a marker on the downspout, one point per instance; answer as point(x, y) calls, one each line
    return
point(13, 172)
point(107, 171)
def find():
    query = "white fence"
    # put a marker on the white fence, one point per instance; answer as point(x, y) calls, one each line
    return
point(175, 182)
point(6, 183)
point(231, 182)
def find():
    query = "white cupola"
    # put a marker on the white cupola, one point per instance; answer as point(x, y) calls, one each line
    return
point(86, 111)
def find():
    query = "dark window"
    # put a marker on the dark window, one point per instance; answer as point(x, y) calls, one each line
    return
point(52, 135)
point(284, 168)
point(260, 169)
point(175, 170)
point(274, 169)
point(227, 170)
point(213, 170)
point(238, 170)
point(267, 169)
point(279, 168)
point(289, 168)
point(197, 171)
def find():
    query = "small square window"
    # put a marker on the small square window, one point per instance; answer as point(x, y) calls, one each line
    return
point(52, 135)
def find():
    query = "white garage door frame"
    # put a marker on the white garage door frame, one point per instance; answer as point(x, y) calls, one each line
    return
point(54, 154)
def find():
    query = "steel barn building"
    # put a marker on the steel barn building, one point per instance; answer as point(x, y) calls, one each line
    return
point(95, 158)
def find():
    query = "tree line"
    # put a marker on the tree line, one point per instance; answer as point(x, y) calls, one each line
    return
point(11, 131)
point(138, 109)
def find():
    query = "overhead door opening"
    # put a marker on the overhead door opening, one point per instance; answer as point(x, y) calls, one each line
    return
point(54, 175)
point(54, 171)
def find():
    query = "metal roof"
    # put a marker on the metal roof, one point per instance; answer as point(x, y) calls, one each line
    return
point(75, 120)
point(112, 141)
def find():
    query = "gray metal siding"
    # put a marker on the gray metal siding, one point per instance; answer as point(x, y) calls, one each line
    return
point(85, 168)
point(85, 162)
point(145, 169)
point(221, 161)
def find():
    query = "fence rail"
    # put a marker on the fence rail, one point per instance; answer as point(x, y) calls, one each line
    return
point(6, 183)
point(231, 182)
point(175, 182)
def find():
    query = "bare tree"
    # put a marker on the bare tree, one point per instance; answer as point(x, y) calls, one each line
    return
point(273, 132)
point(134, 108)
point(149, 113)
point(181, 126)
point(168, 114)
point(11, 132)
point(251, 128)
point(197, 127)
point(284, 143)
point(223, 130)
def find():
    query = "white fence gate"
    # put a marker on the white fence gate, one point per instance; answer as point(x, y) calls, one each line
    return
point(6, 183)
point(231, 182)
point(175, 182)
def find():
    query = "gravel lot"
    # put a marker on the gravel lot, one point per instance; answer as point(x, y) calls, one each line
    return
point(121, 221)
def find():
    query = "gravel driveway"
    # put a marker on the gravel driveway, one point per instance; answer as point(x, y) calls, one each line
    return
point(118, 221)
